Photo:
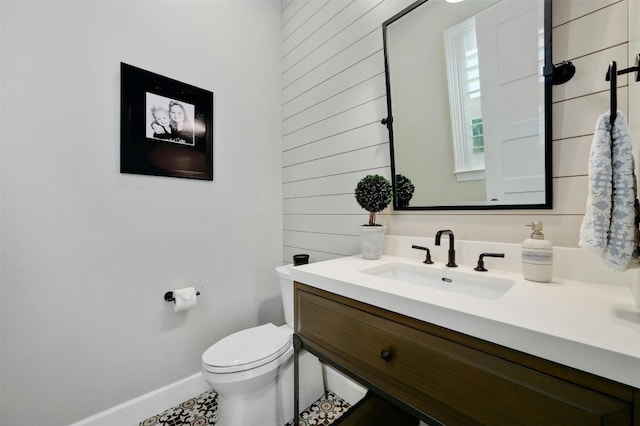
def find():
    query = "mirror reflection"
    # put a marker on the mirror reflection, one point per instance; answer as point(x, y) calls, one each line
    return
point(468, 104)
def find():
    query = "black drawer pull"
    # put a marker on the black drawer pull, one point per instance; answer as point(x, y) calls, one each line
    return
point(386, 355)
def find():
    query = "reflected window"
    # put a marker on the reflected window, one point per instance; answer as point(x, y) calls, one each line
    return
point(465, 100)
point(478, 136)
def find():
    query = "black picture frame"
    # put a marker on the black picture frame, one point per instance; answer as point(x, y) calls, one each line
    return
point(166, 126)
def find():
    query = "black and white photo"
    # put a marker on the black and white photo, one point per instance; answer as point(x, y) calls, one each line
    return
point(166, 126)
point(169, 119)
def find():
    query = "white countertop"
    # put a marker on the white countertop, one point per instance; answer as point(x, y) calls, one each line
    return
point(591, 327)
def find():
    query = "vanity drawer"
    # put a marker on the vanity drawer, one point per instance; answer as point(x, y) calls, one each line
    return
point(444, 379)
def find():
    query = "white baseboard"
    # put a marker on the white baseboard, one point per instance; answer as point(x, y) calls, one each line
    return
point(138, 409)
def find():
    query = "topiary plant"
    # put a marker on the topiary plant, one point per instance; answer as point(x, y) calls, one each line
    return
point(373, 193)
point(404, 190)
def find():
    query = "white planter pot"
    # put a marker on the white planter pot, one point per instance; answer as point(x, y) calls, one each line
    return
point(372, 241)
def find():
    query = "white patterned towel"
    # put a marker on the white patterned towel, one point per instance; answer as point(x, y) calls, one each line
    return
point(595, 224)
point(608, 227)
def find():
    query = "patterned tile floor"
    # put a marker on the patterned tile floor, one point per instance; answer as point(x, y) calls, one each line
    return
point(203, 410)
point(324, 411)
point(199, 411)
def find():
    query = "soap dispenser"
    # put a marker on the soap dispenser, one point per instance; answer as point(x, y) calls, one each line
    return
point(537, 256)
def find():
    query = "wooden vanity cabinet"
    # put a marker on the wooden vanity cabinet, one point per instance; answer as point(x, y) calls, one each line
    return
point(438, 374)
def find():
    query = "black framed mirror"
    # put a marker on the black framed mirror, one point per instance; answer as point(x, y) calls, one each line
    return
point(469, 104)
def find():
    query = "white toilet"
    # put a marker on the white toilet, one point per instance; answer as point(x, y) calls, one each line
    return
point(252, 371)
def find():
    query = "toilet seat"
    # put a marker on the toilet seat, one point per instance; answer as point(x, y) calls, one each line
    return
point(247, 349)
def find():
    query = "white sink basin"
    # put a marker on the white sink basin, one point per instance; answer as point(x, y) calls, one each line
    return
point(472, 284)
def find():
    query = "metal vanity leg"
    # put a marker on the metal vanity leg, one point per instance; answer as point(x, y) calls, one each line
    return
point(297, 345)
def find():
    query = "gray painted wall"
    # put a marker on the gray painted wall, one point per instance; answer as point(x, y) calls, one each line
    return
point(87, 252)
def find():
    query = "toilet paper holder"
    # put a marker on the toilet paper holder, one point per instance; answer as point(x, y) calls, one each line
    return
point(168, 296)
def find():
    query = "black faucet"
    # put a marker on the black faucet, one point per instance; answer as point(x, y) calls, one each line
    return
point(427, 259)
point(480, 267)
point(452, 252)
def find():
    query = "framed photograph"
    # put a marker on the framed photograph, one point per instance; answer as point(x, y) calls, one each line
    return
point(166, 127)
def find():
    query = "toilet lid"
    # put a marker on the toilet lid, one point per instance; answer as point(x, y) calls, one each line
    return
point(247, 349)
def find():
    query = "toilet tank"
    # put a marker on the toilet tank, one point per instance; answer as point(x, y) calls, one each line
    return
point(286, 292)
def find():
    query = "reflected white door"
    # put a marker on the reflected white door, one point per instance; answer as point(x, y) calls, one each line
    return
point(509, 50)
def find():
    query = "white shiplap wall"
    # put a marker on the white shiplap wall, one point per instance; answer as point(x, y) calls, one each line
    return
point(333, 98)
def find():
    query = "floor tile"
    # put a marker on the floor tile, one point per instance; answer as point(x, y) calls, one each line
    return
point(199, 411)
point(203, 411)
point(324, 411)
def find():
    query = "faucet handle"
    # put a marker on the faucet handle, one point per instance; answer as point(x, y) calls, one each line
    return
point(427, 258)
point(480, 267)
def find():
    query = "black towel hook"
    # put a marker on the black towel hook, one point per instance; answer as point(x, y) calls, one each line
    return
point(612, 76)
point(635, 68)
